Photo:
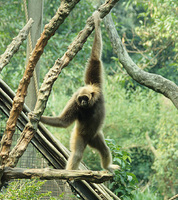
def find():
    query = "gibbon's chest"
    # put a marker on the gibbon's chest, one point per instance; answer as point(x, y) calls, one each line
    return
point(92, 115)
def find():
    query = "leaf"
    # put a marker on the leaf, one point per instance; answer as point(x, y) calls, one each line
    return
point(129, 178)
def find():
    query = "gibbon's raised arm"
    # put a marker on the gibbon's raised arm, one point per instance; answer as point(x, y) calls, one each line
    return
point(94, 74)
point(67, 117)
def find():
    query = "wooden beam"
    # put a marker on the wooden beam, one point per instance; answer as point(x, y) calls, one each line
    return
point(50, 174)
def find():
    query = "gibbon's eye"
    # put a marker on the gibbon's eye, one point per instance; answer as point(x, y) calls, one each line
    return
point(92, 94)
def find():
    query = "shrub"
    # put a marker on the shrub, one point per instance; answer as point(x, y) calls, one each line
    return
point(24, 189)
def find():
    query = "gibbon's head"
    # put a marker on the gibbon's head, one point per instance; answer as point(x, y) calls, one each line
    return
point(87, 96)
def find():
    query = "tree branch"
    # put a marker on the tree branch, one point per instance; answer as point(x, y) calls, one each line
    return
point(50, 174)
point(13, 47)
point(174, 197)
point(48, 32)
point(48, 82)
point(156, 82)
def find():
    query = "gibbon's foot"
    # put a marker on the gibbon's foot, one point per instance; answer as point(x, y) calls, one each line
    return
point(112, 168)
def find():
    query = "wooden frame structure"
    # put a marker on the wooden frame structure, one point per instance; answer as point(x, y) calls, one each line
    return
point(54, 151)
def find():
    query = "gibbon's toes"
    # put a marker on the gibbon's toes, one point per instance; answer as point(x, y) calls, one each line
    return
point(112, 168)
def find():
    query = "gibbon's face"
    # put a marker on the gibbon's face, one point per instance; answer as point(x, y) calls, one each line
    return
point(87, 96)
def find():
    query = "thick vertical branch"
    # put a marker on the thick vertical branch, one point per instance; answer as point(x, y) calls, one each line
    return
point(48, 32)
point(48, 82)
point(13, 47)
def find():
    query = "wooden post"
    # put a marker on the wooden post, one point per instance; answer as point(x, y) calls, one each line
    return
point(35, 11)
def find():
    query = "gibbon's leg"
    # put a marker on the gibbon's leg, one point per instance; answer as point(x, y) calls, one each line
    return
point(77, 145)
point(99, 143)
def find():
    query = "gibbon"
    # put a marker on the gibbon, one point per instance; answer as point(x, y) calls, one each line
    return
point(87, 109)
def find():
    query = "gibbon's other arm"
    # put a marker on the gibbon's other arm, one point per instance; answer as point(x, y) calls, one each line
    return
point(67, 117)
point(94, 71)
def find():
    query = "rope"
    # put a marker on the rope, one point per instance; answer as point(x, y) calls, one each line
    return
point(31, 48)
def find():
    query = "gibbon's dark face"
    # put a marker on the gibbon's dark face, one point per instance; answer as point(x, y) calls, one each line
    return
point(83, 101)
point(87, 96)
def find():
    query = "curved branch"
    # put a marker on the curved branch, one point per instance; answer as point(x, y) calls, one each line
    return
point(155, 82)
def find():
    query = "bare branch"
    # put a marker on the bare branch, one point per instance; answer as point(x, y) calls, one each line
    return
point(50, 174)
point(156, 82)
point(13, 47)
point(48, 82)
point(174, 197)
point(48, 32)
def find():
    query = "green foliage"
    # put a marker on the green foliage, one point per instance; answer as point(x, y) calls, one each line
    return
point(166, 143)
point(148, 194)
point(12, 21)
point(24, 189)
point(158, 34)
point(124, 181)
point(142, 161)
point(130, 113)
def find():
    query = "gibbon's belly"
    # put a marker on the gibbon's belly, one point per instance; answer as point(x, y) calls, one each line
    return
point(90, 120)
point(89, 125)
point(87, 130)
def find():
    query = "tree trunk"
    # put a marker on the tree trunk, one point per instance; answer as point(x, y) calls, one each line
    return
point(35, 11)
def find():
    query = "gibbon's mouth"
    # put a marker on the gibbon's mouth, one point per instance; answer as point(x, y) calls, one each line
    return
point(84, 104)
